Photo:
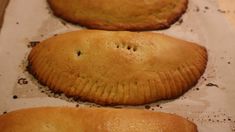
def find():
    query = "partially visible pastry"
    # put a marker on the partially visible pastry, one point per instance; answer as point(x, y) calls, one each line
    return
point(120, 14)
point(59, 119)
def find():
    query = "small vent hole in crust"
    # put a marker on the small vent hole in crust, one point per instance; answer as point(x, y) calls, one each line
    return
point(128, 47)
point(135, 49)
point(79, 53)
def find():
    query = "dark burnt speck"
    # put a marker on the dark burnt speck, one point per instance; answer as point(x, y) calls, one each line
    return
point(64, 23)
point(22, 81)
point(15, 97)
point(221, 11)
point(180, 21)
point(147, 107)
point(32, 44)
point(212, 85)
point(197, 9)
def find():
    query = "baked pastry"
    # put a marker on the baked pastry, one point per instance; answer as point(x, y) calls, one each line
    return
point(62, 119)
point(120, 14)
point(122, 67)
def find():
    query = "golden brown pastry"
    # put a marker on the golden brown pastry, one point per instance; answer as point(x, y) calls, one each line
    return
point(120, 14)
point(59, 119)
point(109, 67)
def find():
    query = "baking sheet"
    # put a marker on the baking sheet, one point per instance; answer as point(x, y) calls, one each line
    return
point(210, 104)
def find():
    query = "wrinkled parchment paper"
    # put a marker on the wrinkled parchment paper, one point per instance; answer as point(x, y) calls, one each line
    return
point(210, 104)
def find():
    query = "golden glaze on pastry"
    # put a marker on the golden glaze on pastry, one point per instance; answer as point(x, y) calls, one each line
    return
point(122, 67)
point(59, 119)
point(120, 14)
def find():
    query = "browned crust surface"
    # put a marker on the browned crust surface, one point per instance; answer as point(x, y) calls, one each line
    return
point(120, 14)
point(108, 67)
point(62, 119)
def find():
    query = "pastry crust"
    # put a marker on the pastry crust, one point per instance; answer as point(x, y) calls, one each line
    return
point(120, 14)
point(62, 119)
point(122, 67)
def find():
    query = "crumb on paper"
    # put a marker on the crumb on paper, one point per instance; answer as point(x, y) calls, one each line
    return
point(221, 11)
point(180, 21)
point(63, 22)
point(206, 7)
point(211, 85)
point(159, 106)
point(22, 81)
point(196, 89)
point(32, 44)
point(204, 78)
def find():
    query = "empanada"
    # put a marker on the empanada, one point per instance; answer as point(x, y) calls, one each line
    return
point(120, 14)
point(62, 119)
point(122, 67)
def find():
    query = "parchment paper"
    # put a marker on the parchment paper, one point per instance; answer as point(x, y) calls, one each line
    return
point(210, 104)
